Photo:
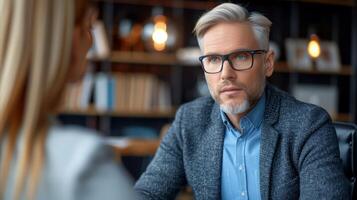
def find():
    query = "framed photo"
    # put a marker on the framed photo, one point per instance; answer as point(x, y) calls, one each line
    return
point(325, 96)
point(297, 55)
point(329, 59)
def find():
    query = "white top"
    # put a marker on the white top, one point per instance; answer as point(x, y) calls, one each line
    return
point(79, 166)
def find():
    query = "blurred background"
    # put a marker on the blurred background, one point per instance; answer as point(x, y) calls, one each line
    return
point(144, 64)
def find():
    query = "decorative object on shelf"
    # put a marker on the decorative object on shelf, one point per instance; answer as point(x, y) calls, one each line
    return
point(304, 54)
point(129, 34)
point(296, 54)
point(100, 48)
point(275, 48)
point(313, 47)
point(329, 60)
point(321, 95)
point(159, 33)
point(189, 55)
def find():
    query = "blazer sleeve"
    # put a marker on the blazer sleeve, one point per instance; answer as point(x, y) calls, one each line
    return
point(165, 174)
point(321, 173)
point(102, 177)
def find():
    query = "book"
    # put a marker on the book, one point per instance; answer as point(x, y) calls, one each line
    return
point(101, 91)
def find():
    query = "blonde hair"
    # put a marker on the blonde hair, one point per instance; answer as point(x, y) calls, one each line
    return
point(35, 44)
point(229, 12)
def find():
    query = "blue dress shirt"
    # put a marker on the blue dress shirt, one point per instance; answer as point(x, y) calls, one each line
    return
point(240, 167)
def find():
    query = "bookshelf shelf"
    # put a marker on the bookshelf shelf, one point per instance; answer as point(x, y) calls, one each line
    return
point(332, 2)
point(194, 5)
point(344, 117)
point(204, 5)
point(133, 147)
point(283, 67)
point(170, 113)
point(135, 57)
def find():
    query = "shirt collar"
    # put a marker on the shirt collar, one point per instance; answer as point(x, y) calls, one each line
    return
point(254, 117)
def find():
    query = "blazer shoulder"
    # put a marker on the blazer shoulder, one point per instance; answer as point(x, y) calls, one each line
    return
point(294, 113)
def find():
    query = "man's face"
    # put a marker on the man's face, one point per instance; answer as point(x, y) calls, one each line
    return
point(231, 88)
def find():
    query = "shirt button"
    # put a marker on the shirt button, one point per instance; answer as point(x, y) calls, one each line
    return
point(240, 167)
point(242, 193)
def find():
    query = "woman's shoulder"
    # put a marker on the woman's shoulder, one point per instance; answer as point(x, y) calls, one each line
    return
point(72, 134)
point(79, 165)
point(74, 145)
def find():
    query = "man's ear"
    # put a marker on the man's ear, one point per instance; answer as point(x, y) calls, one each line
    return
point(269, 63)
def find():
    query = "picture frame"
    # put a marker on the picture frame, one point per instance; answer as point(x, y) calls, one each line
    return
point(298, 57)
point(329, 59)
point(296, 54)
point(325, 96)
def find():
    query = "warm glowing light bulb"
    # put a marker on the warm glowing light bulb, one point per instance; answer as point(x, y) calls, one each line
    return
point(159, 36)
point(313, 48)
point(160, 25)
point(159, 46)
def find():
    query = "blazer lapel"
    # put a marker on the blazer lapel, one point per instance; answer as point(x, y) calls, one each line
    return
point(212, 154)
point(269, 139)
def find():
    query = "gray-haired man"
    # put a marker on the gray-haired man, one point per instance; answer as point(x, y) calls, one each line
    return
point(248, 140)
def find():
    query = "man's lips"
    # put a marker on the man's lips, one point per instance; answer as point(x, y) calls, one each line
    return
point(230, 90)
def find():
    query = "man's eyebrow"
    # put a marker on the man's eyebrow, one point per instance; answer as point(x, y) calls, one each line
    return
point(236, 50)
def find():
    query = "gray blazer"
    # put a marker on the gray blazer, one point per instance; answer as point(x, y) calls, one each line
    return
point(299, 155)
point(79, 166)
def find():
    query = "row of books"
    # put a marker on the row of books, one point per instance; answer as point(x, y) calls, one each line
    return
point(119, 92)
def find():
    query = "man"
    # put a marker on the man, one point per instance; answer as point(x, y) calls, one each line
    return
point(249, 140)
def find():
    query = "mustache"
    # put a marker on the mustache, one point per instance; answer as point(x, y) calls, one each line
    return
point(227, 83)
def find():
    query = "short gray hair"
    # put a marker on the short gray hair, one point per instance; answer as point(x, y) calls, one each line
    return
point(229, 12)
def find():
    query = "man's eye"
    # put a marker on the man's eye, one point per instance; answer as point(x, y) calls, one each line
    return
point(241, 57)
point(214, 59)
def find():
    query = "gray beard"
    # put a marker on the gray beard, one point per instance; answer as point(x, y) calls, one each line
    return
point(235, 109)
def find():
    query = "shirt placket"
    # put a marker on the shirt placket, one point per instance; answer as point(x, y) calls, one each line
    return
point(241, 167)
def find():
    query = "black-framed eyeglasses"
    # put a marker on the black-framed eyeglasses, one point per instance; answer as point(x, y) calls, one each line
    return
point(239, 60)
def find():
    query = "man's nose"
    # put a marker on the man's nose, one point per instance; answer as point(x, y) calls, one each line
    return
point(227, 71)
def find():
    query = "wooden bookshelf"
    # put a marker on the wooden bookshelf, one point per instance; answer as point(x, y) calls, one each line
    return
point(342, 117)
point(205, 5)
point(170, 113)
point(283, 67)
point(124, 146)
point(135, 57)
point(332, 2)
point(194, 5)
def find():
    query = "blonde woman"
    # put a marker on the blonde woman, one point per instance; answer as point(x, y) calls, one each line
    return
point(43, 44)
